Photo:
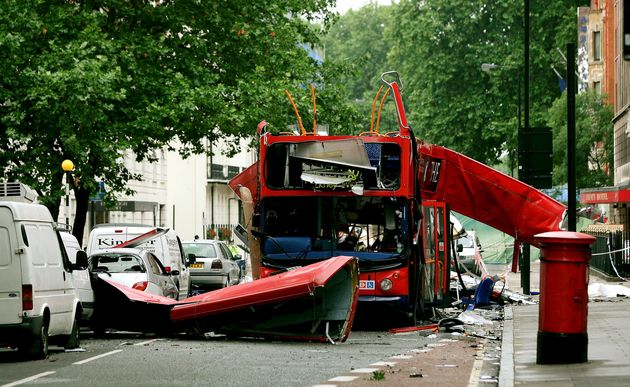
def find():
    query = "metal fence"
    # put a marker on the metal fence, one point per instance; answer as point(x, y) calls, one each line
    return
point(610, 253)
point(220, 231)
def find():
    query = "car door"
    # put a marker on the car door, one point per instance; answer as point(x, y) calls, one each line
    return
point(234, 270)
point(79, 275)
point(185, 282)
point(158, 275)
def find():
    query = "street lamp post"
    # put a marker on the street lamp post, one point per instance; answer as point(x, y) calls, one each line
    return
point(67, 166)
point(523, 170)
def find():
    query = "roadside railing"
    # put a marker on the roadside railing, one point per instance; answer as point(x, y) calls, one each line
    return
point(610, 252)
point(220, 231)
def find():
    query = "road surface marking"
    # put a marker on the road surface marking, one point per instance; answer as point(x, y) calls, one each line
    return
point(402, 357)
point(29, 379)
point(383, 363)
point(343, 379)
point(147, 342)
point(475, 374)
point(97, 357)
point(364, 370)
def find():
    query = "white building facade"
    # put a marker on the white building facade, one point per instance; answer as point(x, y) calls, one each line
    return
point(189, 195)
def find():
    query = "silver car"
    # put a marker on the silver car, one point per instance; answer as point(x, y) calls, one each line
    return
point(212, 264)
point(469, 253)
point(139, 269)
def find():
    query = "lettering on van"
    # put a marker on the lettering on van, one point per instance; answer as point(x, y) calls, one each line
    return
point(108, 242)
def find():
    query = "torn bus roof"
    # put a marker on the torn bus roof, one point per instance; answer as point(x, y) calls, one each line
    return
point(487, 195)
point(315, 303)
point(121, 307)
point(140, 239)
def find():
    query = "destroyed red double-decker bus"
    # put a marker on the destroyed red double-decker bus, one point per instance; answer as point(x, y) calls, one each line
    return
point(384, 198)
point(312, 197)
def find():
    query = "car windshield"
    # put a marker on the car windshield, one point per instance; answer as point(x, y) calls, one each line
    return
point(118, 263)
point(468, 241)
point(205, 250)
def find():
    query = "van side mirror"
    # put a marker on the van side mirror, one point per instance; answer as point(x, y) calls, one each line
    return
point(460, 247)
point(237, 257)
point(174, 273)
point(82, 260)
point(192, 258)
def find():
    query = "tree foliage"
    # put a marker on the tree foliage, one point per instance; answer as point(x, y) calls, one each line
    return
point(89, 80)
point(593, 140)
point(438, 47)
point(358, 38)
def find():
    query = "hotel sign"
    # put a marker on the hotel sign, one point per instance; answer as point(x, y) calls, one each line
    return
point(613, 196)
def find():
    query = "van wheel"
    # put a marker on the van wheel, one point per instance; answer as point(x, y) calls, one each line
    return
point(37, 348)
point(74, 340)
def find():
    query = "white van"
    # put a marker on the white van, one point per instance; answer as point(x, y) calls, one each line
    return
point(80, 274)
point(38, 300)
point(166, 246)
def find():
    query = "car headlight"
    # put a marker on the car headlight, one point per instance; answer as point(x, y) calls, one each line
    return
point(386, 285)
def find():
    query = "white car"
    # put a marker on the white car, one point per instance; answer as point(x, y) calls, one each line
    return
point(212, 264)
point(136, 268)
point(468, 252)
point(165, 244)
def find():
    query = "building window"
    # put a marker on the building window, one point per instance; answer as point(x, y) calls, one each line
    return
point(597, 46)
point(597, 86)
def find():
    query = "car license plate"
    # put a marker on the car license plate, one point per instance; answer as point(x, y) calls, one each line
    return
point(196, 265)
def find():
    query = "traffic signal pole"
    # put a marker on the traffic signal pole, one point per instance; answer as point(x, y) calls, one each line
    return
point(525, 267)
point(571, 184)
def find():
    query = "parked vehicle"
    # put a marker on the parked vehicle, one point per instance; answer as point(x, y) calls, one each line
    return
point(80, 274)
point(468, 249)
point(38, 300)
point(136, 268)
point(166, 245)
point(214, 265)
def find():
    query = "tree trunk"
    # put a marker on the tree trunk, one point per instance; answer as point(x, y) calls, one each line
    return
point(52, 204)
point(82, 197)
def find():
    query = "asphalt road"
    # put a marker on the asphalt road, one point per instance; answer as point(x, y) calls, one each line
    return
point(133, 359)
point(124, 358)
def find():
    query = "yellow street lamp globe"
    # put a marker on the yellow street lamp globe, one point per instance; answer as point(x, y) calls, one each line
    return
point(67, 165)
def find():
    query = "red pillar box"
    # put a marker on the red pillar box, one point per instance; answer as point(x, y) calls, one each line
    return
point(563, 308)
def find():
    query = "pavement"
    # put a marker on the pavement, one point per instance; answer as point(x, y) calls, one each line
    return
point(608, 323)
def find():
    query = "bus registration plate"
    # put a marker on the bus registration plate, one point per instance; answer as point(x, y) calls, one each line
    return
point(367, 284)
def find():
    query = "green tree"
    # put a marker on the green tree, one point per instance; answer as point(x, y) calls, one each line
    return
point(438, 46)
point(91, 80)
point(593, 137)
point(358, 38)
point(441, 46)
